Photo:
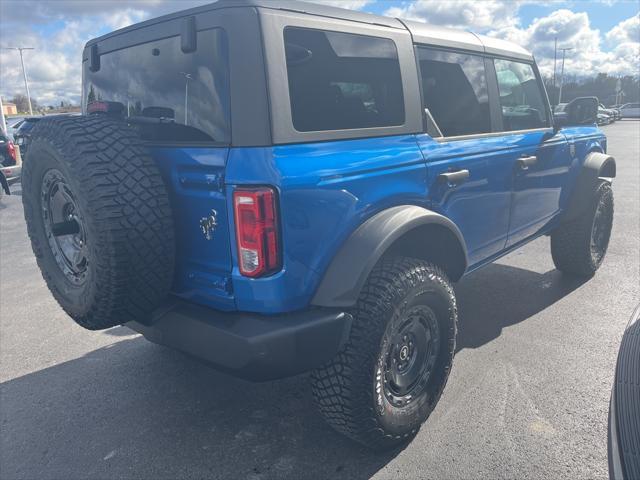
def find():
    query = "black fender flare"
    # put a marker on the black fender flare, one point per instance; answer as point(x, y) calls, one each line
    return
point(597, 167)
point(4, 183)
point(349, 269)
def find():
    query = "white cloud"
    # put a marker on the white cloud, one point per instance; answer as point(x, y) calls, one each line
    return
point(124, 18)
point(54, 68)
point(469, 14)
point(572, 30)
point(53, 74)
point(626, 31)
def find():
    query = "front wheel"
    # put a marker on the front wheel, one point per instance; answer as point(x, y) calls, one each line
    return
point(388, 378)
point(579, 247)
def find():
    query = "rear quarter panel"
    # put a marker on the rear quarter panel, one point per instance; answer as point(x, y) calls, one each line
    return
point(326, 190)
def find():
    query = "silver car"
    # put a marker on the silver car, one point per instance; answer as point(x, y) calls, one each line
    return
point(630, 110)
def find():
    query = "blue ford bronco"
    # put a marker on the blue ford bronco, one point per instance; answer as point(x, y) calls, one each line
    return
point(278, 187)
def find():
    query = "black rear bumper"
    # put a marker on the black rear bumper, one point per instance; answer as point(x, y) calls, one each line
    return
point(252, 346)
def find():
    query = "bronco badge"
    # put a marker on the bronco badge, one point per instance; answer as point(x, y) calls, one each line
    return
point(209, 224)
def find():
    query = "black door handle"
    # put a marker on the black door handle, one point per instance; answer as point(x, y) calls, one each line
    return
point(525, 162)
point(454, 178)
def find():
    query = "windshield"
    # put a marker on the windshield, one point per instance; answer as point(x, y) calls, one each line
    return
point(170, 96)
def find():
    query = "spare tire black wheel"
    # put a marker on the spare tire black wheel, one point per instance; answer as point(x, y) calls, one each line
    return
point(99, 219)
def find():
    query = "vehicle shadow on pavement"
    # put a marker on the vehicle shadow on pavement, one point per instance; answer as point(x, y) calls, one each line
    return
point(484, 310)
point(138, 410)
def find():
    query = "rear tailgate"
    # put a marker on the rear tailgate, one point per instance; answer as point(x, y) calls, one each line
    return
point(195, 178)
point(178, 100)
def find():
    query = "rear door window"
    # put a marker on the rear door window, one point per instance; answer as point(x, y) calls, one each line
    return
point(340, 81)
point(521, 97)
point(454, 91)
point(171, 96)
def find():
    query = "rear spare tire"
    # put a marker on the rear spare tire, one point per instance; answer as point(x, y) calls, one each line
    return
point(99, 219)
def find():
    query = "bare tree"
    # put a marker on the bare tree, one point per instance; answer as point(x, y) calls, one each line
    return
point(22, 104)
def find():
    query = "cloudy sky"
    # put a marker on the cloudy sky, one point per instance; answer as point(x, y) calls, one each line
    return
point(605, 34)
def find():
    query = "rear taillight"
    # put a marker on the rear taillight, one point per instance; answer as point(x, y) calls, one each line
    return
point(95, 107)
point(256, 231)
point(12, 150)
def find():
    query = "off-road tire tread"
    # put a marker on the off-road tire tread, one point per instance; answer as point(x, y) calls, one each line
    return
point(124, 193)
point(571, 241)
point(343, 388)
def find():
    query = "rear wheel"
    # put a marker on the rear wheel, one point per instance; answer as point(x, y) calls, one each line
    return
point(389, 377)
point(579, 247)
point(99, 221)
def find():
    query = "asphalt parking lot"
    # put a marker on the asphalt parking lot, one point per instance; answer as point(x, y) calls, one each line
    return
point(528, 396)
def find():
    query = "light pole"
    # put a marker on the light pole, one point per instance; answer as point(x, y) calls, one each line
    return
point(24, 73)
point(187, 77)
point(555, 61)
point(3, 123)
point(564, 50)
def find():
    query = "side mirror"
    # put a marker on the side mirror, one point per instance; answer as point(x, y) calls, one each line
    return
point(579, 111)
point(560, 119)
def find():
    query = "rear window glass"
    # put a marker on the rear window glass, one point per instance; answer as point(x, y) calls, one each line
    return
point(170, 96)
point(340, 81)
point(454, 91)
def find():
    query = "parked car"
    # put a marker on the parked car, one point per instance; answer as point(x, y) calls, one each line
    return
point(22, 135)
point(603, 118)
point(8, 163)
point(606, 113)
point(612, 112)
point(617, 113)
point(13, 123)
point(7, 150)
point(624, 408)
point(630, 110)
point(315, 216)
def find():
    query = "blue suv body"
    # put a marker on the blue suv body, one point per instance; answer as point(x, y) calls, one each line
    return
point(306, 148)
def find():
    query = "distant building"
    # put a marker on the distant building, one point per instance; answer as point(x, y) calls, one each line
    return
point(9, 108)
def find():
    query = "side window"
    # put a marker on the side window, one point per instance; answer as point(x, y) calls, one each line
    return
point(454, 91)
point(521, 98)
point(341, 81)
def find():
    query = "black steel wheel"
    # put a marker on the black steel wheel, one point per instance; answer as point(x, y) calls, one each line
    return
point(390, 375)
point(410, 355)
point(64, 226)
point(601, 229)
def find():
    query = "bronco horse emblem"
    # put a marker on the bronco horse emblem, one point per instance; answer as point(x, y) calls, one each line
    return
point(209, 224)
